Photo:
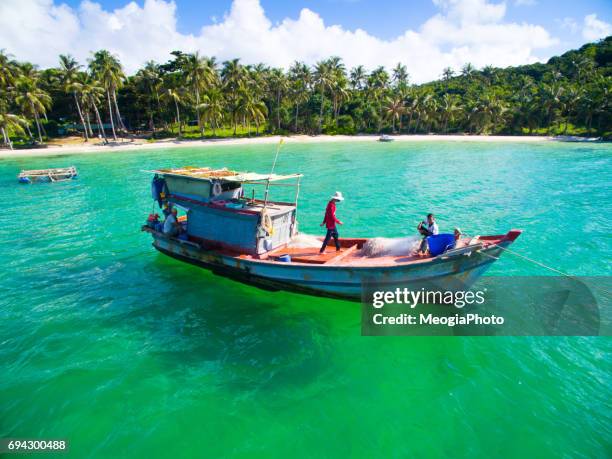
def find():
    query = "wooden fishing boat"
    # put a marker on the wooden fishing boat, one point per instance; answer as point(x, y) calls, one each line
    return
point(47, 175)
point(250, 240)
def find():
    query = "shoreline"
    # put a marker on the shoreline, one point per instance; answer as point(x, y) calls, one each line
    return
point(140, 144)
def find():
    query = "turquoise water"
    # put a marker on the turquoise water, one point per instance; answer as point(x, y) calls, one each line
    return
point(127, 353)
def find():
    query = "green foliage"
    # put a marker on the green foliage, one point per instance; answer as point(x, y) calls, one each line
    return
point(193, 96)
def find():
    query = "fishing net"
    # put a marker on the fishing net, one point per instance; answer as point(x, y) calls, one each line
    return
point(382, 246)
point(305, 241)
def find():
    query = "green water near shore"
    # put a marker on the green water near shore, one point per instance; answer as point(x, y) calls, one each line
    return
point(127, 353)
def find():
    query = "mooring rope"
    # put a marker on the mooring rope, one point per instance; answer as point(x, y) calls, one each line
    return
point(534, 261)
point(538, 263)
point(550, 268)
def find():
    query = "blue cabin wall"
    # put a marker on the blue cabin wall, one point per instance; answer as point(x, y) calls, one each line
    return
point(231, 228)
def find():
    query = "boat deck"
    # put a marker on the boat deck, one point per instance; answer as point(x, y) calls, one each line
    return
point(345, 256)
point(350, 253)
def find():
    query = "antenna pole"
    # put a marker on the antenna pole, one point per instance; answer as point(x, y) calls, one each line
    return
point(271, 172)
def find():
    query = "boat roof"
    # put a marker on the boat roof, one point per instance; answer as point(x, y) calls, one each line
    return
point(207, 173)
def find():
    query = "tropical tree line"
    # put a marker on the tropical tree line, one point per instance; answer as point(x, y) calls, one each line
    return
point(194, 95)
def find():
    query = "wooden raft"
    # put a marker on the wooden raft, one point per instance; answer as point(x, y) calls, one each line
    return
point(48, 175)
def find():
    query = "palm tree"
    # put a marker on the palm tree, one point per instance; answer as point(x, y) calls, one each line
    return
point(447, 73)
point(32, 100)
point(569, 102)
point(69, 71)
point(252, 109)
point(10, 122)
point(279, 85)
point(584, 67)
point(394, 109)
point(551, 98)
point(233, 77)
point(199, 74)
point(340, 94)
point(174, 96)
point(212, 109)
point(449, 108)
point(92, 93)
point(150, 76)
point(323, 79)
point(106, 68)
point(300, 78)
point(338, 84)
point(468, 70)
point(487, 111)
point(419, 104)
point(400, 75)
point(358, 77)
point(377, 84)
point(7, 70)
point(430, 111)
point(411, 107)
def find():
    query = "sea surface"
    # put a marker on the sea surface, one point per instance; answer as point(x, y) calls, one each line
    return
point(127, 353)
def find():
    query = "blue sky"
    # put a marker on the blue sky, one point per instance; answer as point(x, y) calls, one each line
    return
point(425, 35)
point(390, 18)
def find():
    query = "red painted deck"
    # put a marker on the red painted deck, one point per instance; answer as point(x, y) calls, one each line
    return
point(350, 253)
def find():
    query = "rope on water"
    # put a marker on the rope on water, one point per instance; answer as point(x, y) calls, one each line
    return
point(534, 261)
point(538, 263)
point(550, 268)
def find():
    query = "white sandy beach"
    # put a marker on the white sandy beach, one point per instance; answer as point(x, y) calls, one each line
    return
point(127, 145)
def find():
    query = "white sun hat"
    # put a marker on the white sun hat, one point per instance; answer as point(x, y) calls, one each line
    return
point(338, 196)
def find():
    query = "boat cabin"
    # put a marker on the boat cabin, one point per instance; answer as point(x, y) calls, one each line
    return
point(220, 215)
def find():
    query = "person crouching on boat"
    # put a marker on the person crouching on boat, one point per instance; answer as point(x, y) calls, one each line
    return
point(330, 221)
point(167, 210)
point(171, 224)
point(428, 228)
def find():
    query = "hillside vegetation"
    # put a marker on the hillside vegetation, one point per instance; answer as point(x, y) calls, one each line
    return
point(194, 96)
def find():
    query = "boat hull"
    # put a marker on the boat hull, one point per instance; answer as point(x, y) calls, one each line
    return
point(337, 281)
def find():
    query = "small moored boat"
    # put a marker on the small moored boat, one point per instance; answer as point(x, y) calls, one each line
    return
point(47, 175)
point(250, 240)
point(385, 138)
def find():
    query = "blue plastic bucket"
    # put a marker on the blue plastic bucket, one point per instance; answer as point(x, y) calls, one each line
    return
point(440, 242)
point(285, 258)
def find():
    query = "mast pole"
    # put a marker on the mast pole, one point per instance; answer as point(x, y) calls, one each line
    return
point(271, 172)
point(297, 194)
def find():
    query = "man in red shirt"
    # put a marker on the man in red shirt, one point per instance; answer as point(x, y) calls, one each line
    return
point(330, 221)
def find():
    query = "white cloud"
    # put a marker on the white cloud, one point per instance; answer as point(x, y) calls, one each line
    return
point(594, 28)
point(463, 31)
point(569, 24)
